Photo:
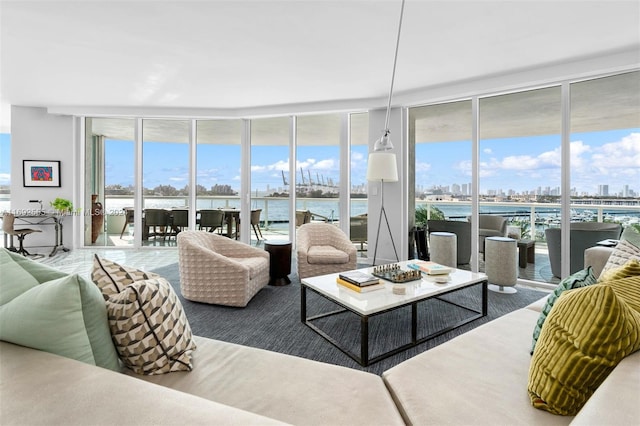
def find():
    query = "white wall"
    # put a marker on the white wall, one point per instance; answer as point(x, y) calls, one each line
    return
point(37, 135)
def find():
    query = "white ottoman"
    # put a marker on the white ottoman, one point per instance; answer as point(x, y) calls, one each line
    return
point(501, 264)
point(444, 248)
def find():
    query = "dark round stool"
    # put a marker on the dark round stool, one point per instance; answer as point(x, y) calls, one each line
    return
point(279, 261)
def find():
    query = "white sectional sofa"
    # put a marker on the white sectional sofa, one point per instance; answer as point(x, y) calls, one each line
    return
point(477, 378)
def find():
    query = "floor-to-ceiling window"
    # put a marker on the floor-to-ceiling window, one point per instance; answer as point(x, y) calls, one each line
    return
point(218, 160)
point(165, 180)
point(442, 170)
point(318, 166)
point(271, 183)
point(520, 165)
point(605, 155)
point(359, 145)
point(5, 171)
point(109, 181)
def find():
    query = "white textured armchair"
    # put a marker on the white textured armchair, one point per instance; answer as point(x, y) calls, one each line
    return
point(218, 270)
point(323, 248)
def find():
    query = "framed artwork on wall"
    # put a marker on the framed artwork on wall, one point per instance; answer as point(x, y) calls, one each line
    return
point(41, 173)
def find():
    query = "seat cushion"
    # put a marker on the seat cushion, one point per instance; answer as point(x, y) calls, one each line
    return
point(477, 378)
point(257, 265)
point(324, 255)
point(283, 387)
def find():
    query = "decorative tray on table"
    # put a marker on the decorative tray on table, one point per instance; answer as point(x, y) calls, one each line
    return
point(395, 274)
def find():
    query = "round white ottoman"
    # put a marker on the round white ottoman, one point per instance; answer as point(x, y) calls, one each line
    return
point(444, 248)
point(501, 264)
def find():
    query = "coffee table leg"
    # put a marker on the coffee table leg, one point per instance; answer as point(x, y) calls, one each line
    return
point(364, 340)
point(303, 304)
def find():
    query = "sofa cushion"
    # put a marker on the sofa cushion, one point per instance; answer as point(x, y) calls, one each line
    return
point(324, 255)
point(629, 269)
point(628, 248)
point(477, 378)
point(65, 316)
point(111, 277)
point(584, 337)
point(579, 279)
point(283, 387)
point(39, 388)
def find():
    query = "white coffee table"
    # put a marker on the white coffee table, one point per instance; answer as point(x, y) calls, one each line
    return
point(367, 305)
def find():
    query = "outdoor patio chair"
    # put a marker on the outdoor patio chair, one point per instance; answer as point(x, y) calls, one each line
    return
point(582, 235)
point(210, 220)
point(157, 220)
point(255, 223)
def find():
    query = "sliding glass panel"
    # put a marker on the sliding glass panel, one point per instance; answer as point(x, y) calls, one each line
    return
point(318, 167)
point(218, 173)
point(605, 161)
point(520, 174)
point(359, 139)
point(442, 170)
point(109, 182)
point(165, 180)
point(270, 180)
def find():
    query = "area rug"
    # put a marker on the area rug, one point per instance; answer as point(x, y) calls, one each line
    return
point(272, 321)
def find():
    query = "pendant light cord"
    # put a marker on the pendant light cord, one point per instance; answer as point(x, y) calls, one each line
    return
point(393, 73)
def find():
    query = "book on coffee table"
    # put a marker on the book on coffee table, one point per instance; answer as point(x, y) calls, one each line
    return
point(363, 289)
point(430, 268)
point(359, 278)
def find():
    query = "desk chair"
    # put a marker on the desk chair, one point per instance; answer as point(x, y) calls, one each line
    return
point(7, 226)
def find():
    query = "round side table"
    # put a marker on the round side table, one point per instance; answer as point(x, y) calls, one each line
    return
point(279, 261)
point(500, 264)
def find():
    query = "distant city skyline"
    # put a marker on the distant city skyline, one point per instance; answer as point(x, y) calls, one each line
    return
point(530, 165)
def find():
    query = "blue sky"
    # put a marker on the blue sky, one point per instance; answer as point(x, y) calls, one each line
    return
point(523, 164)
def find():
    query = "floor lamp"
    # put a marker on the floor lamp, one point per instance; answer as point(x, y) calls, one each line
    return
point(382, 168)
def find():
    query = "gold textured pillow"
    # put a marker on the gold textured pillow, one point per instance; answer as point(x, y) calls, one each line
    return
point(586, 334)
point(149, 328)
point(629, 269)
point(111, 277)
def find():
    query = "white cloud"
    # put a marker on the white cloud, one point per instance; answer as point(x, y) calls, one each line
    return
point(422, 167)
point(487, 151)
point(5, 178)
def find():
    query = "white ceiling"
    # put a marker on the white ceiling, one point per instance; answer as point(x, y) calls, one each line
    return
point(237, 55)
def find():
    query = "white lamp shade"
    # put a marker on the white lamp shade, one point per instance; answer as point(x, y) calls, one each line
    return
point(382, 166)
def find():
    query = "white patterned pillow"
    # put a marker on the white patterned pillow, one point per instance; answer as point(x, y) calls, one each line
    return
point(112, 278)
point(627, 249)
point(149, 328)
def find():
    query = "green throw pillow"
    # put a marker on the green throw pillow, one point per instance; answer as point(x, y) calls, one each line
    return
point(66, 316)
point(588, 332)
point(579, 279)
point(15, 279)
